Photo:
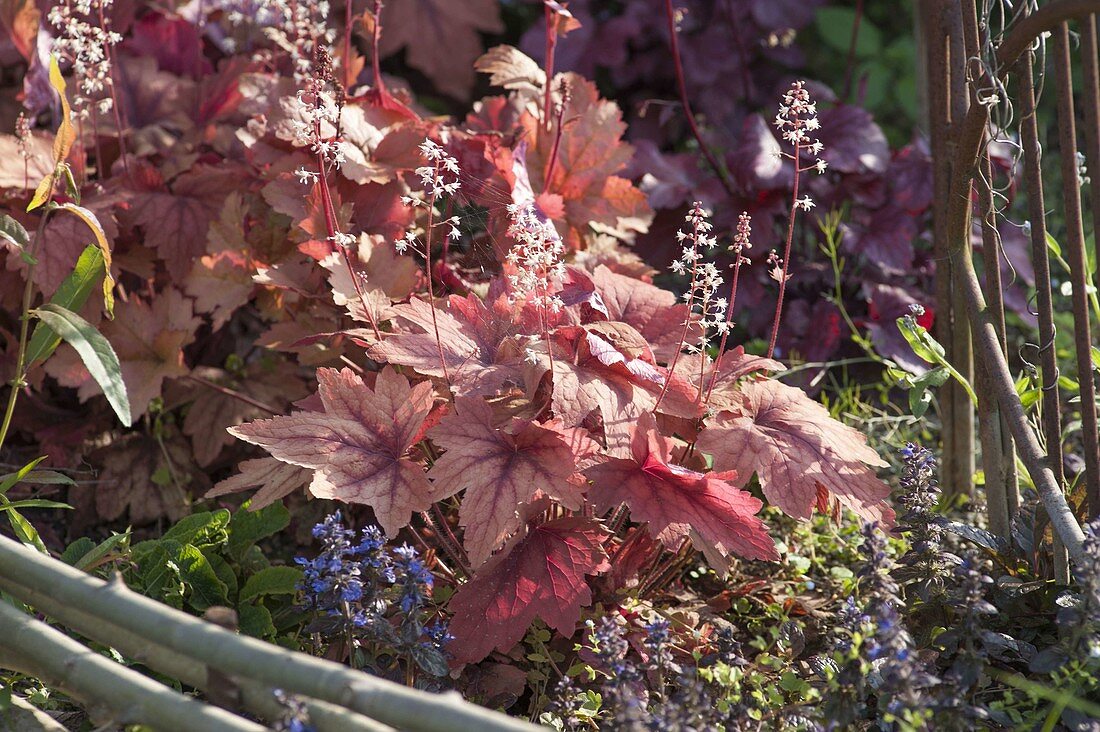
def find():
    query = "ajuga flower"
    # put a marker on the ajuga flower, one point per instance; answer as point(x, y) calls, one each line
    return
point(372, 595)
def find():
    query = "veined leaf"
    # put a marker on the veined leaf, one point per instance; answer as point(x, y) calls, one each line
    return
point(14, 232)
point(71, 295)
point(96, 353)
point(23, 529)
point(90, 219)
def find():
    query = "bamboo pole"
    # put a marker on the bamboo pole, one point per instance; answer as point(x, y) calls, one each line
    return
point(256, 697)
point(105, 687)
point(217, 648)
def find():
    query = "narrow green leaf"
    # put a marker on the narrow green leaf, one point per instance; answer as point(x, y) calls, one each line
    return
point(105, 547)
point(23, 529)
point(1054, 246)
point(11, 479)
point(33, 503)
point(13, 231)
point(71, 295)
point(48, 477)
point(96, 353)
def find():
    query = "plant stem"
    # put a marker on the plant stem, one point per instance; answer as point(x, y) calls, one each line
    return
point(18, 379)
point(681, 85)
point(330, 227)
point(725, 333)
point(848, 71)
point(431, 287)
point(687, 318)
point(348, 20)
point(551, 45)
point(376, 38)
point(234, 394)
point(786, 255)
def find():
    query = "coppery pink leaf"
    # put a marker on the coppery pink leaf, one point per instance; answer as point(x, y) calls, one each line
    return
point(501, 469)
point(673, 500)
point(357, 445)
point(541, 575)
point(799, 452)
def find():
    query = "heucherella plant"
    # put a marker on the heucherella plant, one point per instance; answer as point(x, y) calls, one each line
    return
point(557, 425)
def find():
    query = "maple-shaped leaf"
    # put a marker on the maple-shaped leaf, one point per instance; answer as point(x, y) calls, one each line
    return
point(541, 575)
point(275, 479)
point(735, 365)
point(803, 457)
point(500, 470)
point(441, 38)
point(148, 338)
point(592, 375)
point(589, 156)
point(673, 500)
point(478, 343)
point(357, 445)
point(175, 223)
point(653, 311)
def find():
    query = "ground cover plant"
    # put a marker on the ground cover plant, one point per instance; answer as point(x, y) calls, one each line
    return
point(437, 340)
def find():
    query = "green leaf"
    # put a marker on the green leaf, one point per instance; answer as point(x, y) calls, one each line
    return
point(256, 621)
point(199, 528)
point(91, 557)
point(271, 581)
point(73, 552)
point(223, 570)
point(71, 295)
point(1053, 245)
point(92, 223)
point(920, 340)
point(96, 353)
point(835, 26)
point(11, 479)
point(48, 477)
point(205, 588)
point(13, 231)
point(33, 503)
point(248, 527)
point(23, 529)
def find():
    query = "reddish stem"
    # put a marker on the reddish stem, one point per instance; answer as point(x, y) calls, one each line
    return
point(687, 319)
point(557, 143)
point(431, 286)
point(681, 85)
point(551, 46)
point(726, 333)
point(347, 44)
point(376, 38)
point(786, 255)
point(330, 227)
point(114, 95)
